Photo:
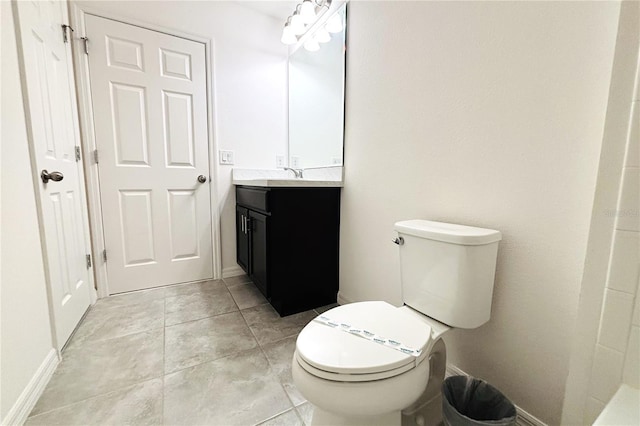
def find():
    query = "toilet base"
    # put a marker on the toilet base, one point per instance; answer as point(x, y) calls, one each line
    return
point(325, 418)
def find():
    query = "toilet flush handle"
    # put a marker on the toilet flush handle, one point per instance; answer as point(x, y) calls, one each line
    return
point(399, 241)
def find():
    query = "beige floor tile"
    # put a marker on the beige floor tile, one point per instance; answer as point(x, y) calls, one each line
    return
point(240, 279)
point(268, 326)
point(237, 390)
point(305, 411)
point(215, 300)
point(139, 404)
point(280, 355)
point(107, 323)
point(195, 342)
point(325, 308)
point(247, 295)
point(98, 367)
point(124, 299)
point(182, 289)
point(288, 418)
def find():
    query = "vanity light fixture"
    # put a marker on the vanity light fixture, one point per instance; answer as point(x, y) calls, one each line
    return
point(334, 24)
point(308, 11)
point(322, 36)
point(297, 24)
point(288, 36)
point(312, 45)
point(305, 15)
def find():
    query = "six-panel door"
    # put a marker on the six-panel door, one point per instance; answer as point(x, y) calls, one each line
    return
point(54, 134)
point(149, 103)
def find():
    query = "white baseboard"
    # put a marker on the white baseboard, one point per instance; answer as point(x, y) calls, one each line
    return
point(343, 300)
point(524, 418)
point(18, 414)
point(232, 271)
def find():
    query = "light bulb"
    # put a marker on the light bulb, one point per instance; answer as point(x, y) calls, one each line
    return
point(322, 36)
point(288, 37)
point(308, 11)
point(334, 24)
point(312, 45)
point(297, 25)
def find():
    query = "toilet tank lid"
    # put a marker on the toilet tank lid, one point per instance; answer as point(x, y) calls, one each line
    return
point(448, 232)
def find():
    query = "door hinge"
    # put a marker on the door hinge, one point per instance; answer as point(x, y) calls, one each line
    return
point(65, 36)
point(88, 257)
point(104, 255)
point(77, 154)
point(95, 156)
point(86, 44)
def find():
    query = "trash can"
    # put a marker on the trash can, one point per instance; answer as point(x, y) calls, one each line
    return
point(467, 401)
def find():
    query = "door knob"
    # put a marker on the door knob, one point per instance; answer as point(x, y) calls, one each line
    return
point(54, 176)
point(202, 178)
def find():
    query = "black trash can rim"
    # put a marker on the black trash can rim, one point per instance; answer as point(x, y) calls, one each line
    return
point(470, 401)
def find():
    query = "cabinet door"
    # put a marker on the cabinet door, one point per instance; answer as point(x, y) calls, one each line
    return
point(258, 248)
point(242, 239)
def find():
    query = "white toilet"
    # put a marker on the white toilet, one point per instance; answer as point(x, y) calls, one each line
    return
point(371, 363)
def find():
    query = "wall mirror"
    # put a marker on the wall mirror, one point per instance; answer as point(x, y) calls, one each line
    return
point(316, 96)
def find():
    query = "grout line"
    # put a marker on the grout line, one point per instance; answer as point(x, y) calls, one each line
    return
point(293, 405)
point(118, 389)
point(164, 352)
point(86, 341)
point(242, 352)
point(298, 413)
point(199, 319)
point(162, 400)
point(275, 415)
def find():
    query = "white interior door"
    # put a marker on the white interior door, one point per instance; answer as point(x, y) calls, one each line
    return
point(148, 93)
point(54, 133)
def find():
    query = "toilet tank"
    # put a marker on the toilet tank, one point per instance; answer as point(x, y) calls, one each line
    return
point(448, 270)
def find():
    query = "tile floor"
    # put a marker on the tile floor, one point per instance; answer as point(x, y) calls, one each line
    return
point(210, 353)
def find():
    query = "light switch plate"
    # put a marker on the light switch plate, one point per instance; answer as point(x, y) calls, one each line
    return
point(279, 160)
point(225, 157)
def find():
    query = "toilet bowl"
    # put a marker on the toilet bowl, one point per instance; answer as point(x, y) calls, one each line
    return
point(366, 363)
point(364, 382)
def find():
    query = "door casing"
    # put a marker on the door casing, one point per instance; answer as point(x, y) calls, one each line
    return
point(81, 65)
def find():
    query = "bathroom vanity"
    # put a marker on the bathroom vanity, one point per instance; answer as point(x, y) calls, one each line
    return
point(287, 239)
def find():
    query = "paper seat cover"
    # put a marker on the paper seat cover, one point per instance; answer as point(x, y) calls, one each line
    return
point(335, 351)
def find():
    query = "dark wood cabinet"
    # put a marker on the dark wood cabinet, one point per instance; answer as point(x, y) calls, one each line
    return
point(258, 249)
point(287, 242)
point(242, 238)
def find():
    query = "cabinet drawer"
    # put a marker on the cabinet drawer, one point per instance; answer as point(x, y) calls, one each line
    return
point(253, 198)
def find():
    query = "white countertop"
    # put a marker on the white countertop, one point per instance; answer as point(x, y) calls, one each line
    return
point(327, 177)
point(288, 183)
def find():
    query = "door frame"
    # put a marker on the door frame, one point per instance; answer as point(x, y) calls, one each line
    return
point(85, 110)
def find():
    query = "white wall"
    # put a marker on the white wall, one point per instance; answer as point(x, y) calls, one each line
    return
point(488, 114)
point(25, 330)
point(600, 335)
point(616, 356)
point(250, 84)
point(617, 351)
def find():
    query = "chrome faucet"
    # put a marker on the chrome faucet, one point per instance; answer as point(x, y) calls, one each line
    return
point(296, 172)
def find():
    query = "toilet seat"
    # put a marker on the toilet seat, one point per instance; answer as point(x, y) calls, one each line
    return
point(332, 354)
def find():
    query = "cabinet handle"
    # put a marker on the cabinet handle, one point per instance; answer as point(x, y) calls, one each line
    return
point(244, 219)
point(242, 223)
